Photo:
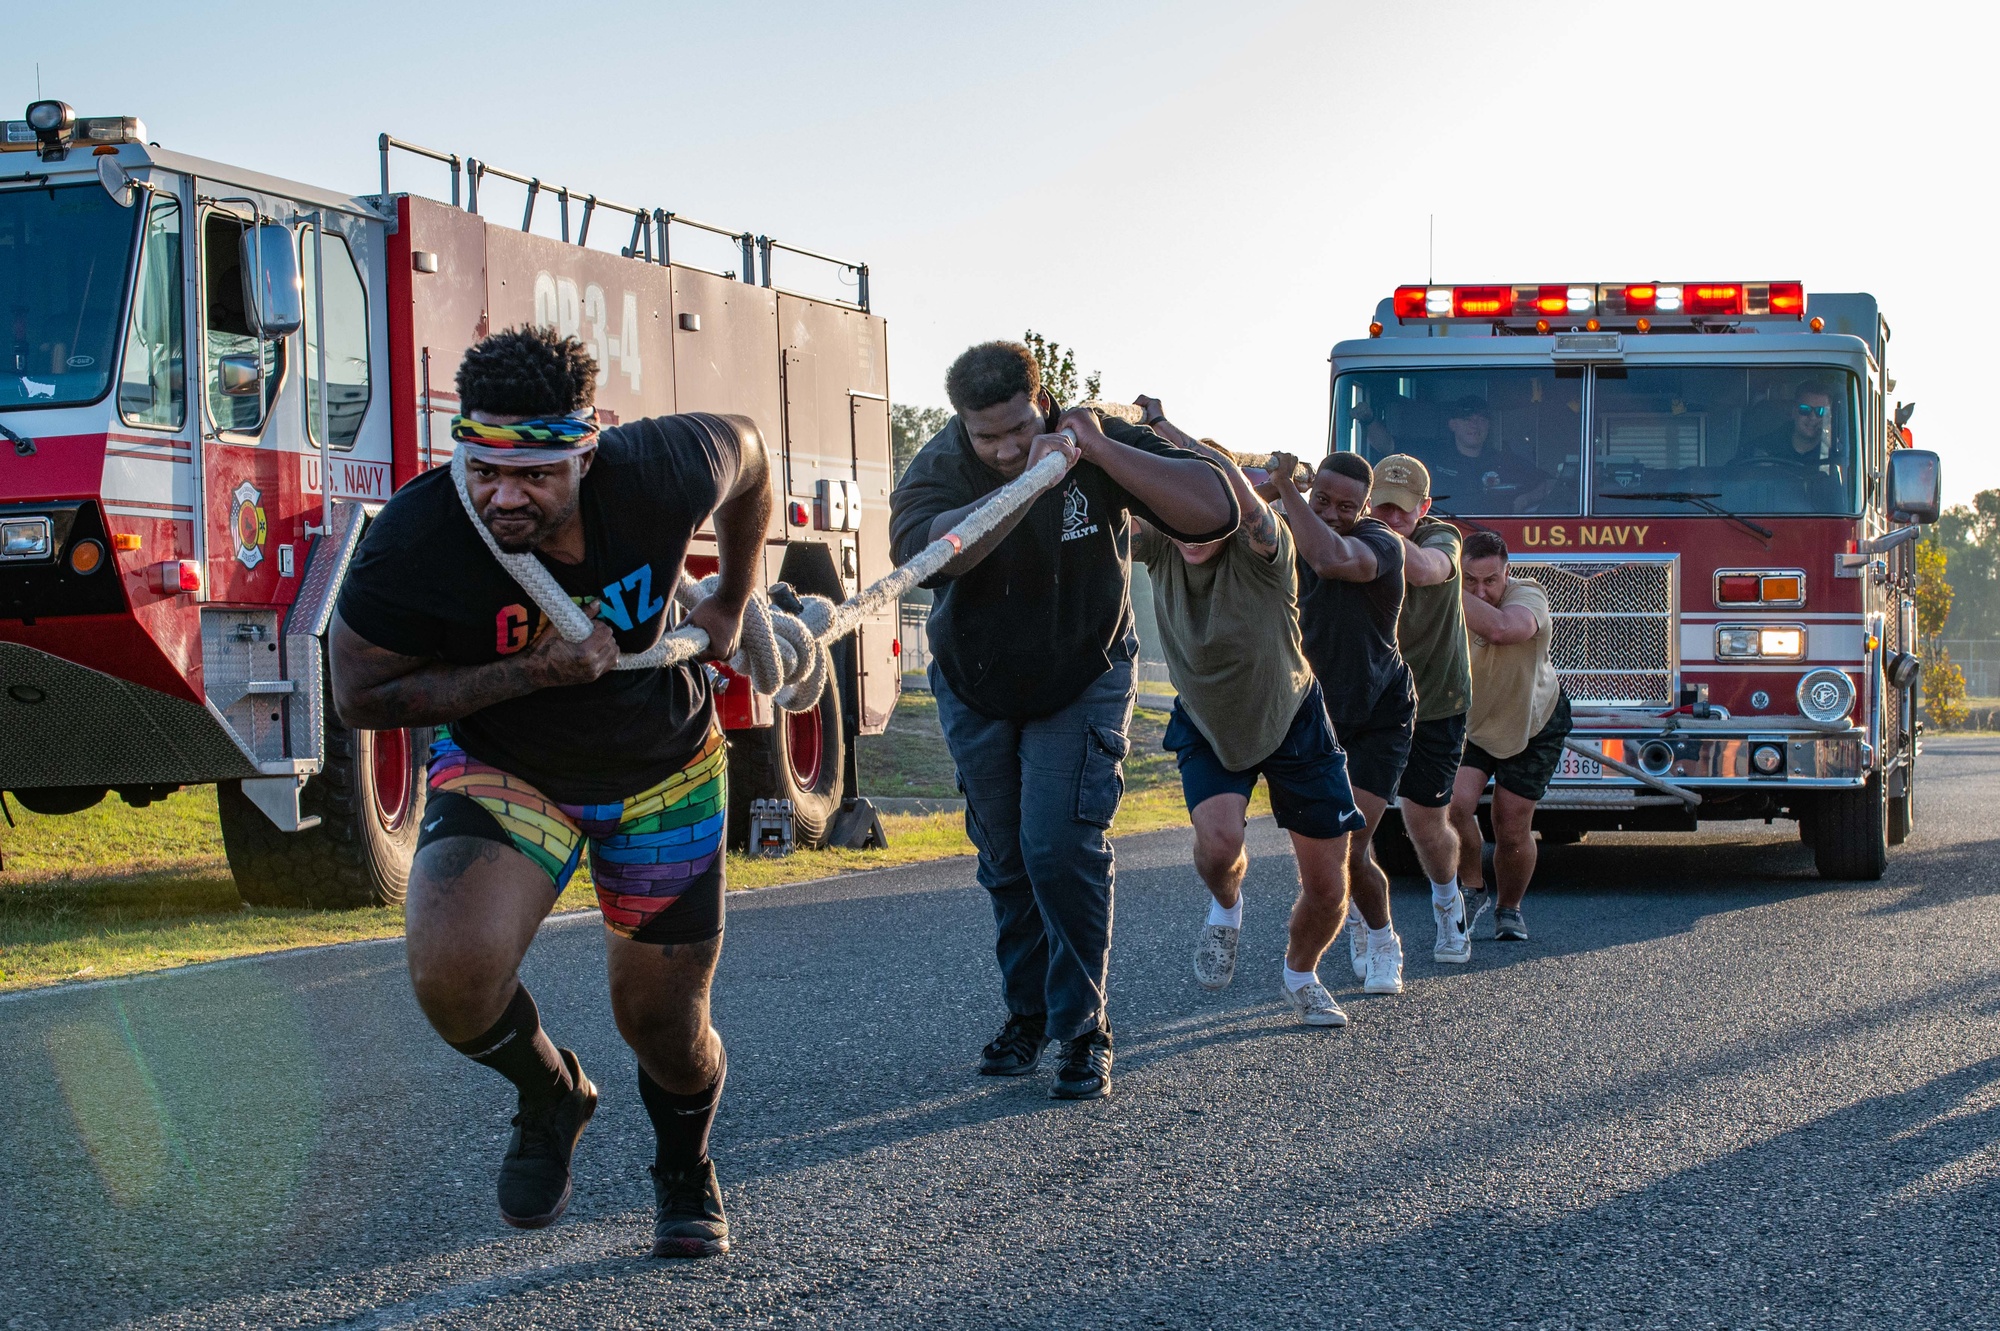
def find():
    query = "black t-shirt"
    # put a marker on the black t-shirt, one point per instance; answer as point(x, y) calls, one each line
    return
point(1028, 628)
point(424, 584)
point(1349, 630)
point(1491, 482)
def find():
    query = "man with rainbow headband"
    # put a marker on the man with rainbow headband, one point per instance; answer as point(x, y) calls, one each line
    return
point(550, 748)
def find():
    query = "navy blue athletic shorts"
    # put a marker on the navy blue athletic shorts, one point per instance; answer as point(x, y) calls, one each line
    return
point(1307, 772)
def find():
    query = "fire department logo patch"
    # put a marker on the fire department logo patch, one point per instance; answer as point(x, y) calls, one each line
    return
point(250, 527)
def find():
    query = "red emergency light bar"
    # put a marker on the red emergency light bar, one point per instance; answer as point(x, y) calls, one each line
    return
point(1600, 304)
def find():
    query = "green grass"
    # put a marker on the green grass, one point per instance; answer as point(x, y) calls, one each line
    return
point(116, 890)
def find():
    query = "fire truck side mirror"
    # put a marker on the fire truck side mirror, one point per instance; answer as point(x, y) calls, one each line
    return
point(117, 182)
point(1914, 485)
point(240, 376)
point(273, 299)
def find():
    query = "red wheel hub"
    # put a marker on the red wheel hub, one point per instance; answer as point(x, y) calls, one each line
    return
point(803, 750)
point(391, 774)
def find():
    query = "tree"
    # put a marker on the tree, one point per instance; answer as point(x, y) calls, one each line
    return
point(910, 428)
point(1944, 682)
point(1059, 371)
point(1970, 537)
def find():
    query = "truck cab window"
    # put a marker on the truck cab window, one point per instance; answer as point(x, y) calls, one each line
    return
point(234, 404)
point(1750, 439)
point(346, 341)
point(152, 385)
point(63, 253)
point(1498, 442)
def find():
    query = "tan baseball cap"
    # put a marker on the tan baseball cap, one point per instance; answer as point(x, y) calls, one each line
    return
point(1401, 480)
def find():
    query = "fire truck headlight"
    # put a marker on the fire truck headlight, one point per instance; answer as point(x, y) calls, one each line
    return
point(26, 538)
point(1825, 695)
point(1735, 641)
point(1787, 642)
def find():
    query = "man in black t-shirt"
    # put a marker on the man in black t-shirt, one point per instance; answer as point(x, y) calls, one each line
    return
point(1350, 596)
point(550, 748)
point(1031, 660)
point(1476, 472)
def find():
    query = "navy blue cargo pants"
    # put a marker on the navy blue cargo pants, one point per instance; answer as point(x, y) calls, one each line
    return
point(1038, 797)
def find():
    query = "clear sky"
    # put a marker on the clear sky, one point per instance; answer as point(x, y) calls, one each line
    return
point(1200, 197)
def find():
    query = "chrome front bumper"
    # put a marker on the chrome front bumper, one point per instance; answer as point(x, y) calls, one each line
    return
point(1712, 761)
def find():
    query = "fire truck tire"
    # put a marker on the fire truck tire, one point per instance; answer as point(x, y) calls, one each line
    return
point(1903, 808)
point(1850, 833)
point(370, 803)
point(1394, 851)
point(799, 758)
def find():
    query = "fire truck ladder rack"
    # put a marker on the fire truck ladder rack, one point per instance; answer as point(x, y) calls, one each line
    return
point(649, 241)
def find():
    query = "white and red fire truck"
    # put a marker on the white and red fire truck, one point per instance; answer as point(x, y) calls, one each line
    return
point(1713, 485)
point(212, 377)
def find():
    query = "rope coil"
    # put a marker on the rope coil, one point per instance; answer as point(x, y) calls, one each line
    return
point(782, 654)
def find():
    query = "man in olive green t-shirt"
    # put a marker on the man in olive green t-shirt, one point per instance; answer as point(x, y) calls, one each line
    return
point(1431, 634)
point(1248, 705)
point(1515, 730)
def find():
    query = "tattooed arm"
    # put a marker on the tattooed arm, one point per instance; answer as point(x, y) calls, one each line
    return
point(377, 689)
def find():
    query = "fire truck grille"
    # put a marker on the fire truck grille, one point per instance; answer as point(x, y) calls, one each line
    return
point(1614, 627)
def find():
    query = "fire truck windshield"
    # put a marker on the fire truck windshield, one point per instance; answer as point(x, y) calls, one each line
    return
point(1748, 439)
point(1497, 441)
point(63, 256)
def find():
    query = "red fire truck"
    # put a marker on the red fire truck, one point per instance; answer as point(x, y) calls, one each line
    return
point(1716, 488)
point(213, 377)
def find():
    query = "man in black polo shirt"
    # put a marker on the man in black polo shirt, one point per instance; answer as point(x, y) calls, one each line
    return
point(1350, 596)
point(1032, 645)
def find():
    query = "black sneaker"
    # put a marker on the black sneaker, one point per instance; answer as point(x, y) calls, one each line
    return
point(1507, 925)
point(1085, 1070)
point(534, 1175)
point(690, 1222)
point(1017, 1048)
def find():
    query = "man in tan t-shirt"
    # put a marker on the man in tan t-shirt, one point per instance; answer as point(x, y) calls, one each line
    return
point(1249, 706)
point(1515, 730)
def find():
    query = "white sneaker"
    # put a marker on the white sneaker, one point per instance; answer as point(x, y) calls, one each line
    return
point(1357, 942)
point(1385, 966)
point(1314, 1006)
point(1215, 956)
point(1454, 939)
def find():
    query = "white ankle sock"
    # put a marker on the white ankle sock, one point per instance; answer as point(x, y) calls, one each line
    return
point(1442, 893)
point(1232, 916)
point(1297, 980)
point(1385, 935)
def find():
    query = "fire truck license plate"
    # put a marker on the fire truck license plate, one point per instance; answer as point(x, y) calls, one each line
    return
point(1577, 767)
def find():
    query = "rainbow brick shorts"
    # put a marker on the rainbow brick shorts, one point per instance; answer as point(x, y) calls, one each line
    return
point(655, 857)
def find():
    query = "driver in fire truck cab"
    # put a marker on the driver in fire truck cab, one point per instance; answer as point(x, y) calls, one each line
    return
point(1471, 461)
point(1805, 439)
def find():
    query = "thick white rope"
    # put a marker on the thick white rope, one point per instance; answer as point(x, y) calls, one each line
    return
point(782, 654)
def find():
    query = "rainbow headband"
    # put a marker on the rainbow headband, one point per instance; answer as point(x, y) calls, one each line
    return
point(527, 443)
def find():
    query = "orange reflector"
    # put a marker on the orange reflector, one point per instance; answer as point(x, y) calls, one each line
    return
point(1782, 589)
point(1590, 325)
point(1817, 324)
point(1375, 329)
point(1645, 325)
point(125, 541)
point(86, 556)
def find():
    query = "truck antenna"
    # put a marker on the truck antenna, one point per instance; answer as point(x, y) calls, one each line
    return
point(1431, 263)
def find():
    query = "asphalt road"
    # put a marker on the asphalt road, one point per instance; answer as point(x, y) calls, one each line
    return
point(1713, 1091)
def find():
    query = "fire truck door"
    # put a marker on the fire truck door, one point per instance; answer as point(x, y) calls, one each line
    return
point(250, 408)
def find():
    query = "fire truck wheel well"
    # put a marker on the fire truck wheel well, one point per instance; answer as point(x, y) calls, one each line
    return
point(354, 857)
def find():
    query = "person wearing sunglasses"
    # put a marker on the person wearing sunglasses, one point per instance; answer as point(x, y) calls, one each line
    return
point(1806, 437)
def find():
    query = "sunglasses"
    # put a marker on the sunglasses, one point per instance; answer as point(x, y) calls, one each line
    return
point(1805, 410)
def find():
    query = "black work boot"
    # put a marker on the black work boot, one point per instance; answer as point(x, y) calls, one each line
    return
point(534, 1175)
point(1017, 1048)
point(690, 1221)
point(1085, 1070)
